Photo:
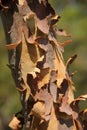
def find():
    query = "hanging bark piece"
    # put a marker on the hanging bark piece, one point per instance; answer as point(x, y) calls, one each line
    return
point(37, 66)
point(61, 32)
point(17, 122)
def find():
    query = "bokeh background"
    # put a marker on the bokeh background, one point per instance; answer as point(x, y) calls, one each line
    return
point(74, 20)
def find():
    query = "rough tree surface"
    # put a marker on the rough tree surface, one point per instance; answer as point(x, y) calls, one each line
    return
point(36, 62)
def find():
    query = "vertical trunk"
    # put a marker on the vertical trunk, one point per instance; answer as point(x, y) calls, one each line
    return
point(36, 63)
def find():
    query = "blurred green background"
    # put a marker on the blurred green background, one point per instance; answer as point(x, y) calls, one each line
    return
point(74, 20)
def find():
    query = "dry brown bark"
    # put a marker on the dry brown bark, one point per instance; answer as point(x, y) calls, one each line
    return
point(36, 62)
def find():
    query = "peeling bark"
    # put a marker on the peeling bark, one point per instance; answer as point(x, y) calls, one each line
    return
point(36, 62)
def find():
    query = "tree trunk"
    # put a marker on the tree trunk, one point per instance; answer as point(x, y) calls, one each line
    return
point(38, 69)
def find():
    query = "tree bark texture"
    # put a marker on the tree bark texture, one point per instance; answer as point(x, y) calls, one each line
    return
point(36, 62)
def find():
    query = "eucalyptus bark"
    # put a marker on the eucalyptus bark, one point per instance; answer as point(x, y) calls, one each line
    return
point(36, 62)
